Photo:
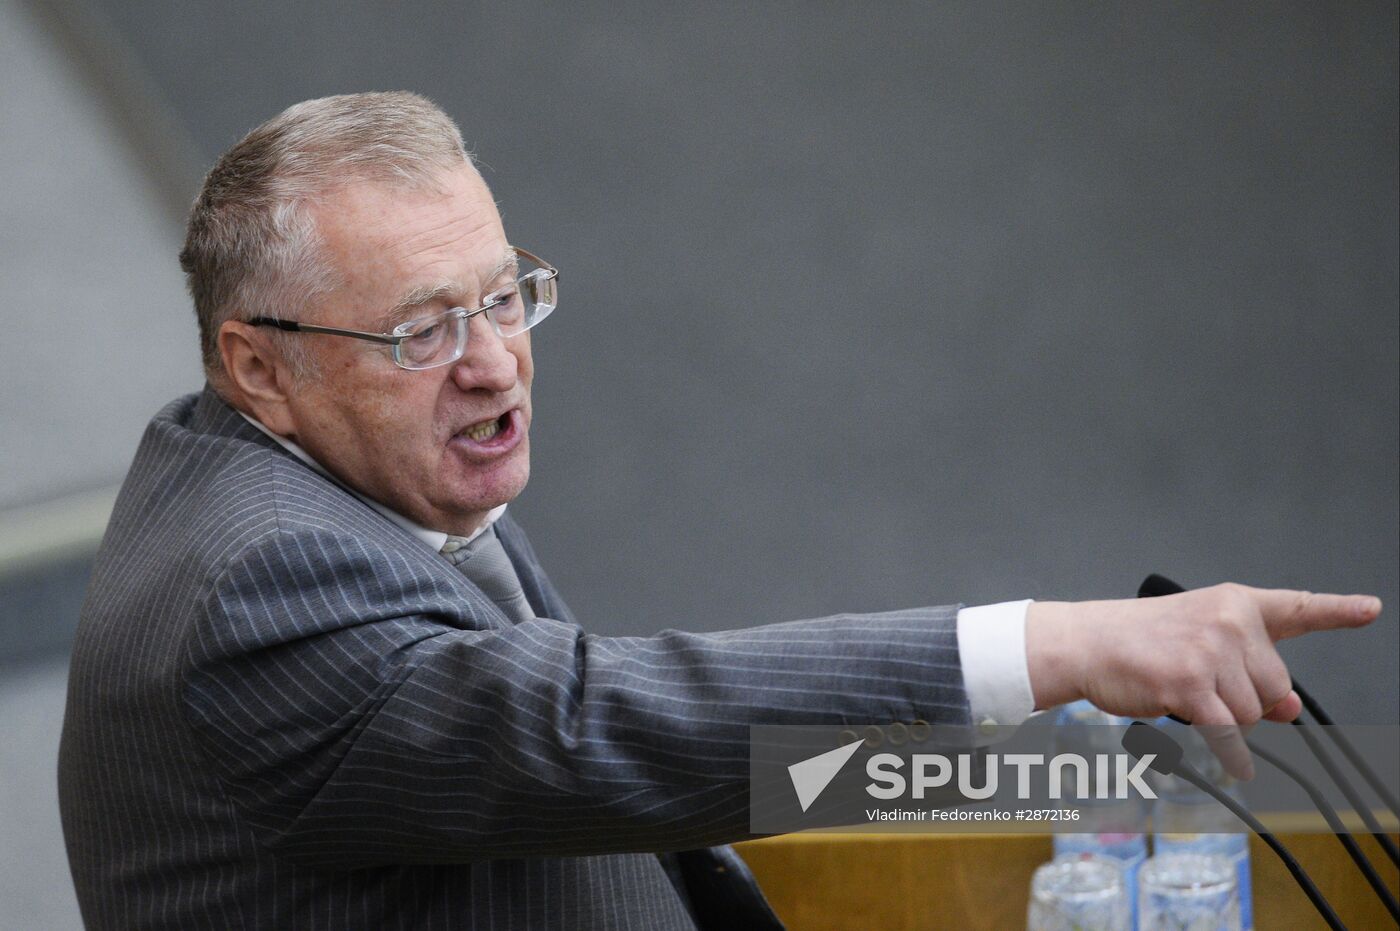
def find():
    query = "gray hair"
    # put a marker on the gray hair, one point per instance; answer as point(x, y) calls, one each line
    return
point(251, 246)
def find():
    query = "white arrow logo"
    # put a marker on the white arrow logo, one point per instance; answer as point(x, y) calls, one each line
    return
point(811, 776)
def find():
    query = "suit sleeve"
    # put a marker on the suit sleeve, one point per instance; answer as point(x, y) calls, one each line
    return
point(354, 722)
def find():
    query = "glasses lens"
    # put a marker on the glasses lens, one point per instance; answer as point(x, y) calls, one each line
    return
point(432, 341)
point(509, 312)
point(541, 290)
point(525, 303)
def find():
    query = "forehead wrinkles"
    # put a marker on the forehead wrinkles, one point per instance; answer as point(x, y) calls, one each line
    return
point(448, 238)
point(456, 261)
point(388, 241)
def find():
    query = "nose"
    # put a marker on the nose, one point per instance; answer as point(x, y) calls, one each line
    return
point(488, 362)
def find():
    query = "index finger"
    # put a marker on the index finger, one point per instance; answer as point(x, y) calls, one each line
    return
point(1289, 614)
point(1227, 742)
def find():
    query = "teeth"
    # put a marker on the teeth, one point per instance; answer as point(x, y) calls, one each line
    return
point(484, 431)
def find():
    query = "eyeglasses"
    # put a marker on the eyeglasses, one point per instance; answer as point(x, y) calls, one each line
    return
point(442, 338)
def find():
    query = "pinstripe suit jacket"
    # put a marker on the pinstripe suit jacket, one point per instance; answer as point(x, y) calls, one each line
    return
point(285, 711)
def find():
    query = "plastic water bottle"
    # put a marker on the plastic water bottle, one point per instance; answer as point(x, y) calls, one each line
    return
point(1186, 820)
point(1113, 828)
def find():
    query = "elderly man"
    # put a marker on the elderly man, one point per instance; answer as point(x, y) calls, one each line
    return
point(321, 680)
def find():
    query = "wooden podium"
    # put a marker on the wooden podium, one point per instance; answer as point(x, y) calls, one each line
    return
point(972, 881)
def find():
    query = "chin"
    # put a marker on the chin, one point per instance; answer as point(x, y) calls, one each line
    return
point(501, 486)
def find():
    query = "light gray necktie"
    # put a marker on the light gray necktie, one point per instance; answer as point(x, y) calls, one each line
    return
point(484, 561)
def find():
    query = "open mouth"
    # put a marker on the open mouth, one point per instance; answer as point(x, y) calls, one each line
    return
point(483, 431)
point(491, 433)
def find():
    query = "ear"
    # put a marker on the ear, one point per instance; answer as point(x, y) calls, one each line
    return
point(258, 374)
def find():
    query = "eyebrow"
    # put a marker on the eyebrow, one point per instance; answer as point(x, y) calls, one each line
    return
point(425, 294)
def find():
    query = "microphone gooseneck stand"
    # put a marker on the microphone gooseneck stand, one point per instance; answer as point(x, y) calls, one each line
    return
point(1305, 731)
point(1143, 739)
point(1154, 740)
point(1156, 585)
point(1353, 757)
point(1335, 823)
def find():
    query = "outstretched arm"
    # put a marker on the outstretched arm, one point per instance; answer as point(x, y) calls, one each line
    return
point(354, 720)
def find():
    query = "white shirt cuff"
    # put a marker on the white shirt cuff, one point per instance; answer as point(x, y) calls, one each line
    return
point(992, 648)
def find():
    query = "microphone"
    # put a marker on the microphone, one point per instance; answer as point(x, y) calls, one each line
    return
point(1143, 739)
point(1305, 731)
point(1349, 752)
point(1157, 585)
point(1335, 823)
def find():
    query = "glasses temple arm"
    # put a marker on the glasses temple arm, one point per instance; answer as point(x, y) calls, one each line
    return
point(291, 326)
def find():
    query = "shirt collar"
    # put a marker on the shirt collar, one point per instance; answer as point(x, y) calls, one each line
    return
point(434, 538)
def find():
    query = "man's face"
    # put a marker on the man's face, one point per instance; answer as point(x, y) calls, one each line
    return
point(400, 436)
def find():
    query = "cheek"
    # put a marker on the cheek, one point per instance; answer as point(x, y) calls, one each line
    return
point(525, 363)
point(399, 417)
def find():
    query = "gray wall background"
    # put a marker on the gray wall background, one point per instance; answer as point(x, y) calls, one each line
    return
point(870, 305)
